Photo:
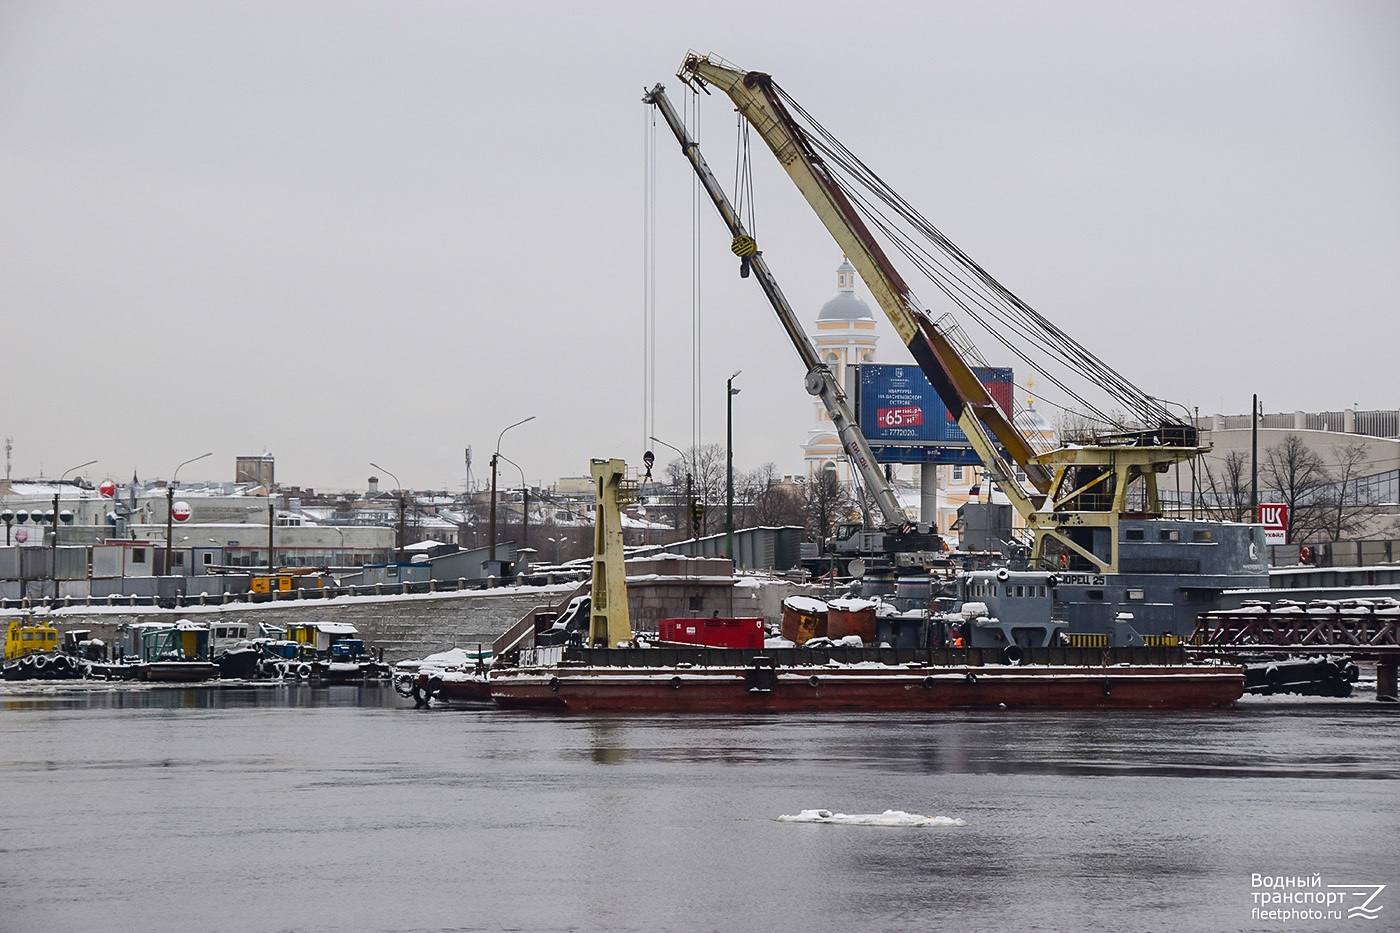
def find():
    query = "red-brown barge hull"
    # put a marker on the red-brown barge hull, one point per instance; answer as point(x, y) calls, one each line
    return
point(819, 689)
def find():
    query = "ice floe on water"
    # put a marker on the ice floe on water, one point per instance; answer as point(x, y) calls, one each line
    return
point(888, 818)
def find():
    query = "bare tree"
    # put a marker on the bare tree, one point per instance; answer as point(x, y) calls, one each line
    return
point(1227, 494)
point(1347, 508)
point(706, 467)
point(827, 501)
point(768, 501)
point(1298, 477)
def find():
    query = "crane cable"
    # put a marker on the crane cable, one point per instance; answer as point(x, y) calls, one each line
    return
point(648, 275)
point(1000, 312)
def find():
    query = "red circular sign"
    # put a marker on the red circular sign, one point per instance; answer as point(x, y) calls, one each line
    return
point(180, 511)
point(108, 489)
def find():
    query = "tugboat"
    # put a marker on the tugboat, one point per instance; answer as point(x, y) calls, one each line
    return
point(31, 653)
point(336, 653)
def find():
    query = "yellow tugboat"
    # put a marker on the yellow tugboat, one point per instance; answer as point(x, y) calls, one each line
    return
point(31, 653)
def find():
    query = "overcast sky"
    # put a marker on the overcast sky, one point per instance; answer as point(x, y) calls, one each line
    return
point(346, 232)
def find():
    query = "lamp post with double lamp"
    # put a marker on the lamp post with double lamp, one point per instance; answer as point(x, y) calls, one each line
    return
point(524, 503)
point(689, 486)
point(170, 507)
point(399, 540)
point(496, 455)
point(53, 552)
point(729, 464)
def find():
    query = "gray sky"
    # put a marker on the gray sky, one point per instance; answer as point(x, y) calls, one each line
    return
point(343, 232)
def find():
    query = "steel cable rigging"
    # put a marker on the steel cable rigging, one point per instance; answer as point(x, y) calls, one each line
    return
point(994, 307)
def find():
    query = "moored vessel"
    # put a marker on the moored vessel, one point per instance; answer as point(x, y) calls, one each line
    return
point(846, 679)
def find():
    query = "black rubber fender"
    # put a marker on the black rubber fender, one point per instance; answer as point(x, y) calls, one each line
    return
point(676, 682)
point(1012, 654)
point(554, 685)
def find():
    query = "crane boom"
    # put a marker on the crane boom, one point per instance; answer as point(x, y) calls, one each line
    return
point(967, 400)
point(1081, 492)
point(820, 381)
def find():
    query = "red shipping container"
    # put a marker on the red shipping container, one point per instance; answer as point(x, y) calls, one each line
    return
point(715, 633)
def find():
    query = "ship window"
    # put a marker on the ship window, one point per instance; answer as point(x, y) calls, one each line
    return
point(1133, 534)
point(1094, 594)
point(1202, 534)
point(1020, 591)
point(1042, 592)
point(697, 603)
point(138, 555)
point(1135, 594)
point(1172, 535)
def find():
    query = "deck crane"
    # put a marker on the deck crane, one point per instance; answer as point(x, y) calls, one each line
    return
point(1078, 493)
point(899, 542)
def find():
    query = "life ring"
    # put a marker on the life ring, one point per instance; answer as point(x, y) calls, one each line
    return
point(1052, 581)
point(1305, 554)
point(1003, 574)
point(303, 671)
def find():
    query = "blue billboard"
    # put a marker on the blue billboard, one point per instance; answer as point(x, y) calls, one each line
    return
point(896, 407)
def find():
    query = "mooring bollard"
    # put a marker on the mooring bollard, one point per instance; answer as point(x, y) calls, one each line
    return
point(1386, 681)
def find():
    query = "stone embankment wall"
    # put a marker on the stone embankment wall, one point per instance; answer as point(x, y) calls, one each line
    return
point(404, 626)
point(421, 624)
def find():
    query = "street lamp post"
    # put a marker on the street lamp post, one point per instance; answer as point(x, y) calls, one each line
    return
point(729, 464)
point(524, 503)
point(53, 547)
point(170, 507)
point(689, 487)
point(494, 457)
point(399, 487)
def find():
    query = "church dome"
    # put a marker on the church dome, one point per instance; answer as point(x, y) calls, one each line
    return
point(845, 305)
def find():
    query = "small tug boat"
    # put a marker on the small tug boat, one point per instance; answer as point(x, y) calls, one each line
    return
point(32, 653)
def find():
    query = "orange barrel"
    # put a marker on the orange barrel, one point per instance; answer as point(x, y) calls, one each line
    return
point(804, 618)
point(851, 617)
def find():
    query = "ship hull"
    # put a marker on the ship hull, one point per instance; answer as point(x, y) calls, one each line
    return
point(824, 689)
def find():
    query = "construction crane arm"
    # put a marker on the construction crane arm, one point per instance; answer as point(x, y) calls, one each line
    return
point(987, 427)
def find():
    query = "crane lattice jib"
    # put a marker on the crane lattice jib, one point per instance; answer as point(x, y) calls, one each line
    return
point(967, 400)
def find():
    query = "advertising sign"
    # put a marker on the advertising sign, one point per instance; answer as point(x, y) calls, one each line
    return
point(896, 407)
point(1274, 517)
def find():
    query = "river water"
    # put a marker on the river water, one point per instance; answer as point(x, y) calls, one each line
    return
point(288, 807)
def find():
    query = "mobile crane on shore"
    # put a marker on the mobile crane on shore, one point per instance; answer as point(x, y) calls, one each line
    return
point(1093, 509)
